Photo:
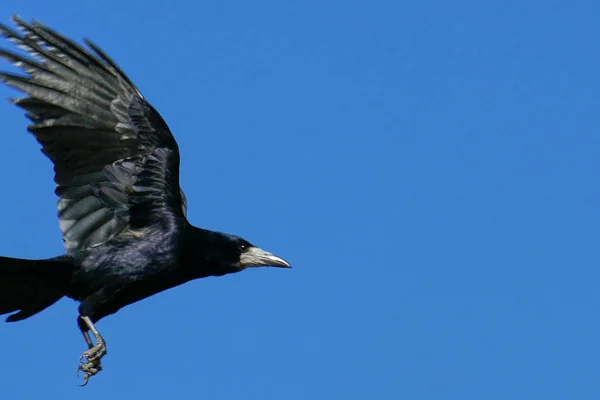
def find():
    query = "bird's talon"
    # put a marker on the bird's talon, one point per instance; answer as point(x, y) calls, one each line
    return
point(86, 379)
point(91, 367)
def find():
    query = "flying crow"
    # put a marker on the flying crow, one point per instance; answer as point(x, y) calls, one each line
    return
point(122, 213)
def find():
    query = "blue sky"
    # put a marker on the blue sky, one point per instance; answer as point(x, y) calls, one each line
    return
point(431, 169)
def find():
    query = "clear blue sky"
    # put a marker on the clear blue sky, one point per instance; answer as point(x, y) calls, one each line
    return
point(431, 169)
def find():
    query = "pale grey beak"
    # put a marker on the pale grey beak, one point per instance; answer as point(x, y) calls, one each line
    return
point(256, 257)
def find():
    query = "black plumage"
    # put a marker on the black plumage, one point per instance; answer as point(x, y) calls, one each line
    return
point(121, 210)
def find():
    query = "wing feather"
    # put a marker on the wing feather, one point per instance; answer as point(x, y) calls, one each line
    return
point(116, 162)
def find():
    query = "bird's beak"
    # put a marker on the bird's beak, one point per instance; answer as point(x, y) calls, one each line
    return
point(257, 257)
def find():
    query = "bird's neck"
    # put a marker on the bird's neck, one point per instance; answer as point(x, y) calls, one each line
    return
point(198, 254)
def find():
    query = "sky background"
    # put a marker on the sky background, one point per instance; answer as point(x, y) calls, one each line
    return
point(431, 169)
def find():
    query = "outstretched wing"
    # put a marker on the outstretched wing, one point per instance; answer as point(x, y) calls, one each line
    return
point(116, 163)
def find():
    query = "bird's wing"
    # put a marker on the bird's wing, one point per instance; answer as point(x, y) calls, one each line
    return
point(116, 163)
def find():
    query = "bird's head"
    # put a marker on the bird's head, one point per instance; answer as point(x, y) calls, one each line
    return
point(248, 255)
point(233, 253)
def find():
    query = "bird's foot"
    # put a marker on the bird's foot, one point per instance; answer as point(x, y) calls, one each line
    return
point(92, 364)
point(90, 368)
point(95, 353)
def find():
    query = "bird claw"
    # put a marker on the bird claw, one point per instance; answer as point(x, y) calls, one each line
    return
point(90, 368)
point(92, 365)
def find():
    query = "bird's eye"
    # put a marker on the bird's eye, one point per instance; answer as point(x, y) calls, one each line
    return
point(243, 247)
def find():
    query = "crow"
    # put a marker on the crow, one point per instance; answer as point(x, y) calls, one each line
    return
point(121, 211)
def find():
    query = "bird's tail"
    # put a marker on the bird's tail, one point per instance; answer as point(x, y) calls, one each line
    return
point(29, 286)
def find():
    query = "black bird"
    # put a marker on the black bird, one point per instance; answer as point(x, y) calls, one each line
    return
point(122, 213)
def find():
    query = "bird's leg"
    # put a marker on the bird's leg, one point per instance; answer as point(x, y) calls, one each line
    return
point(94, 354)
point(87, 338)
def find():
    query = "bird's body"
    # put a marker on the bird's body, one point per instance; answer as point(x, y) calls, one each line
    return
point(126, 270)
point(121, 210)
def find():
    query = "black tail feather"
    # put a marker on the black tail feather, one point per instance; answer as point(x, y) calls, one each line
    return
point(29, 286)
